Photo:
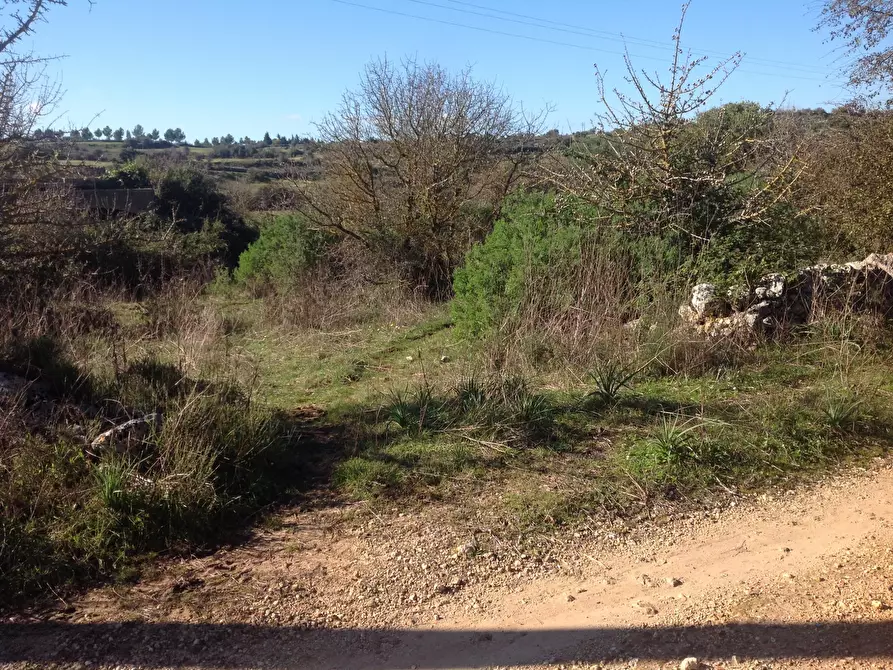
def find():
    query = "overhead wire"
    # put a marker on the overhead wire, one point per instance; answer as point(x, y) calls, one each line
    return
point(550, 41)
point(614, 36)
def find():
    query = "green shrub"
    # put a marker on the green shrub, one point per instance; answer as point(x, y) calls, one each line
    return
point(286, 249)
point(530, 239)
point(743, 254)
point(190, 198)
point(544, 262)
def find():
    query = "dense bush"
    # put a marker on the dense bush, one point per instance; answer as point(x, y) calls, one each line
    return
point(548, 267)
point(545, 263)
point(287, 248)
point(847, 183)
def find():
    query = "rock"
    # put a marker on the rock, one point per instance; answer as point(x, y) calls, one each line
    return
point(410, 359)
point(771, 287)
point(739, 297)
point(687, 314)
point(672, 582)
point(571, 598)
point(707, 302)
point(879, 605)
point(645, 607)
point(855, 287)
point(755, 315)
point(130, 433)
point(690, 663)
point(467, 549)
point(444, 359)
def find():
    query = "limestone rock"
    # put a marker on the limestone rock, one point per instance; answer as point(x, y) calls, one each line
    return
point(707, 302)
point(771, 287)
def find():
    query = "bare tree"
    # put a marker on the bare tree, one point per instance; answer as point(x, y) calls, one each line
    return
point(416, 165)
point(660, 159)
point(862, 27)
point(27, 96)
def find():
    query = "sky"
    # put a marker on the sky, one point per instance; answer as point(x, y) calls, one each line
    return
point(213, 67)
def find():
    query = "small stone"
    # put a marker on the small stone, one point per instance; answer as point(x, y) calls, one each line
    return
point(444, 359)
point(410, 359)
point(570, 598)
point(672, 582)
point(690, 663)
point(787, 575)
point(879, 605)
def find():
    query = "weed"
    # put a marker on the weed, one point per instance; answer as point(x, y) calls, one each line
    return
point(366, 478)
point(472, 395)
point(610, 379)
point(841, 412)
point(413, 411)
point(673, 443)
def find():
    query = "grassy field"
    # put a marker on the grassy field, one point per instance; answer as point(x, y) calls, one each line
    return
point(417, 413)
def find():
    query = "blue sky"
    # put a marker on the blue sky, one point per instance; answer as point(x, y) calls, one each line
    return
point(214, 67)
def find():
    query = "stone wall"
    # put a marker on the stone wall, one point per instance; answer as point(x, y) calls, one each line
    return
point(862, 287)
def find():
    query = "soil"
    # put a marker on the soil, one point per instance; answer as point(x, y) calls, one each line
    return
point(800, 579)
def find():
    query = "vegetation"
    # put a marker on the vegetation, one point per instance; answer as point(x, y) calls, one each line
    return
point(419, 161)
point(431, 301)
point(862, 27)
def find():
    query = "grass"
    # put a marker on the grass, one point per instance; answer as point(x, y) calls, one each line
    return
point(651, 440)
point(72, 510)
point(405, 413)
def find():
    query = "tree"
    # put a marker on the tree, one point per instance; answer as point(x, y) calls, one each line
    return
point(155, 135)
point(215, 141)
point(179, 135)
point(661, 163)
point(118, 134)
point(228, 139)
point(169, 135)
point(107, 132)
point(86, 134)
point(419, 164)
point(139, 132)
point(97, 133)
point(267, 139)
point(35, 216)
point(129, 136)
point(862, 27)
point(205, 143)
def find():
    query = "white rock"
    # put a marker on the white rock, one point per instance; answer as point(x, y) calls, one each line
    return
point(690, 663)
point(706, 301)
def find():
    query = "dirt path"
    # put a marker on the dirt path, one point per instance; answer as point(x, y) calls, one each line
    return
point(799, 580)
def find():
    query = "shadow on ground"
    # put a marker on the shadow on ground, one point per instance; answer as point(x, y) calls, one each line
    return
point(236, 646)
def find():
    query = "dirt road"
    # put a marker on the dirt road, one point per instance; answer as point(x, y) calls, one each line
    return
point(800, 579)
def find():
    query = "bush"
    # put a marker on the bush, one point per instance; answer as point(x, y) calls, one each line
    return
point(67, 512)
point(786, 242)
point(189, 198)
point(285, 251)
point(544, 266)
point(848, 183)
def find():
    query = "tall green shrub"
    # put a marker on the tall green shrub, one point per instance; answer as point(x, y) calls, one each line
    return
point(288, 247)
point(543, 262)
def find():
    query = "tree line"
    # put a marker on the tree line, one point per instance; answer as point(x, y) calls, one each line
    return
point(139, 135)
